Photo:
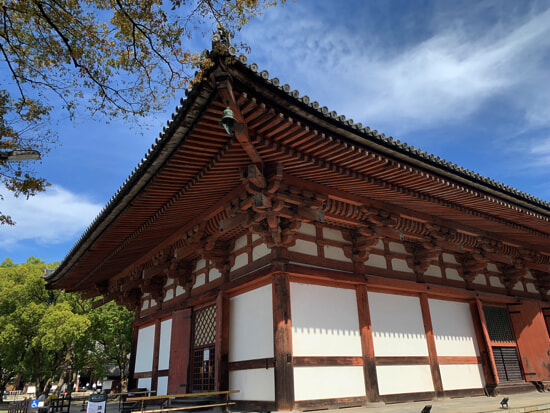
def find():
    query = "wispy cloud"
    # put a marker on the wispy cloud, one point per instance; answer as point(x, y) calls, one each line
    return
point(51, 217)
point(442, 78)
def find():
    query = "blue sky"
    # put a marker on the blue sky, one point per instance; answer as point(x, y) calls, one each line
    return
point(468, 81)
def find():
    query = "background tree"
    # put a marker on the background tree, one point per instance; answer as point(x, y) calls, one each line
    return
point(47, 335)
point(117, 58)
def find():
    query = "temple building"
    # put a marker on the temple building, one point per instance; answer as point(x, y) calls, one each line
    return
point(270, 245)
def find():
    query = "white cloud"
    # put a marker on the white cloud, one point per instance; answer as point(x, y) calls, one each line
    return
point(51, 217)
point(439, 79)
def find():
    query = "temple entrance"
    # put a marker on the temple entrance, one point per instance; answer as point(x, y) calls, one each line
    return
point(503, 344)
point(203, 359)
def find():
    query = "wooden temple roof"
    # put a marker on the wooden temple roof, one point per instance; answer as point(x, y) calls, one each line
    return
point(195, 167)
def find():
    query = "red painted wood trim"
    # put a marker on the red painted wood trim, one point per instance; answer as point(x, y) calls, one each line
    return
point(367, 345)
point(432, 350)
point(327, 361)
point(488, 343)
point(180, 353)
point(264, 363)
point(482, 344)
point(222, 342)
point(282, 335)
point(402, 360)
point(156, 350)
point(458, 360)
point(143, 375)
point(131, 376)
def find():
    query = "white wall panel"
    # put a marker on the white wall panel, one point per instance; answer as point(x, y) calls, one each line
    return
point(164, 350)
point(324, 321)
point(461, 376)
point(453, 328)
point(240, 261)
point(162, 386)
point(145, 348)
point(335, 253)
point(144, 383)
point(404, 379)
point(251, 321)
point(304, 247)
point(254, 384)
point(312, 383)
point(260, 251)
point(398, 329)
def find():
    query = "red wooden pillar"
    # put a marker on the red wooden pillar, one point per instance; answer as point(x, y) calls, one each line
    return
point(132, 382)
point(156, 350)
point(487, 339)
point(487, 361)
point(222, 342)
point(180, 346)
point(367, 345)
point(430, 339)
point(282, 342)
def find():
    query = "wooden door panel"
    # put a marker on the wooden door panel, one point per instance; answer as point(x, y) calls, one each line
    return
point(532, 340)
point(180, 348)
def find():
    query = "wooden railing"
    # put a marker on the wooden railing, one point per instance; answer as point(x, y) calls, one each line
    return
point(143, 402)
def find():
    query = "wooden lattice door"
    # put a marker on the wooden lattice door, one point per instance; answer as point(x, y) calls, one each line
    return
point(503, 344)
point(204, 339)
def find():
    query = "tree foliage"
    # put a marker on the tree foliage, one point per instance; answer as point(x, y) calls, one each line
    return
point(53, 334)
point(113, 58)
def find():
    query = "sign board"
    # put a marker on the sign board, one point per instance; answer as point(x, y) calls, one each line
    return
point(97, 403)
point(34, 404)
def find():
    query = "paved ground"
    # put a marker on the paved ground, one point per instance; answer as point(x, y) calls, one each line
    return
point(518, 403)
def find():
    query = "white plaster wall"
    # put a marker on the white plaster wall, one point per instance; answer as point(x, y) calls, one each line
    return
point(169, 295)
point(333, 234)
point(449, 258)
point(312, 383)
point(377, 261)
point(251, 321)
point(200, 265)
point(480, 279)
point(164, 349)
point(324, 321)
point(240, 243)
point(452, 274)
point(144, 383)
point(180, 290)
point(240, 261)
point(398, 329)
point(307, 229)
point(214, 274)
point(398, 264)
point(492, 267)
point(495, 282)
point(531, 288)
point(145, 348)
point(379, 245)
point(200, 280)
point(433, 271)
point(335, 253)
point(395, 247)
point(453, 328)
point(260, 251)
point(254, 384)
point(461, 376)
point(162, 386)
point(404, 379)
point(304, 247)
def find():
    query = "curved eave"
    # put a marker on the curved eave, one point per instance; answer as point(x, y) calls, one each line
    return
point(115, 229)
